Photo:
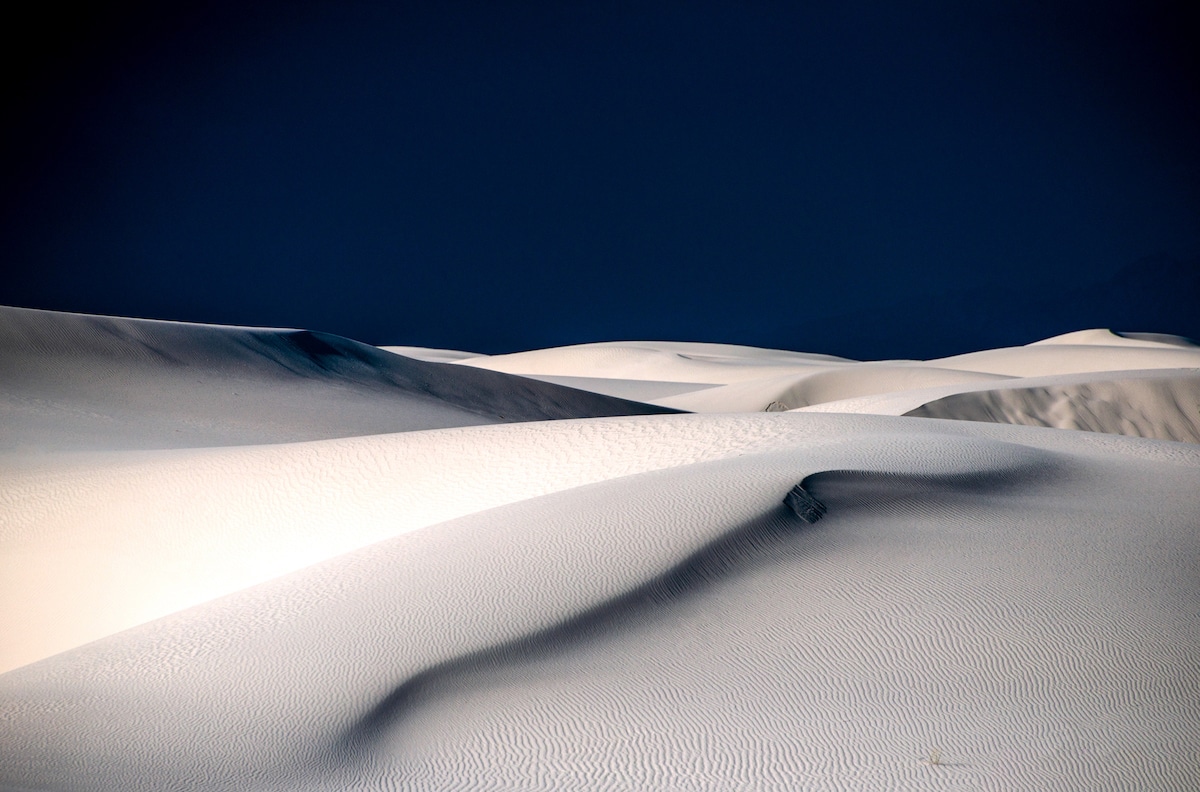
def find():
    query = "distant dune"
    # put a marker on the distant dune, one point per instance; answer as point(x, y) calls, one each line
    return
point(1138, 384)
point(1162, 405)
point(236, 558)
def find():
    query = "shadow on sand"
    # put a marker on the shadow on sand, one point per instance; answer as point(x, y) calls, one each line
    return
point(768, 538)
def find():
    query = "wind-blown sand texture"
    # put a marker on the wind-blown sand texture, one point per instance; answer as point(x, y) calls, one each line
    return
point(609, 602)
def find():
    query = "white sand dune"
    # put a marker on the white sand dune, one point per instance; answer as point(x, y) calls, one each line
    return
point(430, 355)
point(834, 384)
point(169, 529)
point(1137, 384)
point(93, 382)
point(673, 361)
point(644, 390)
point(615, 603)
point(1075, 353)
point(1165, 406)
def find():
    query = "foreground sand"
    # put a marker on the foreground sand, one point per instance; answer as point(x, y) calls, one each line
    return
point(617, 602)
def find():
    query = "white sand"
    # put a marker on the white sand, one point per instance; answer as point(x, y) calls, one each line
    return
point(716, 378)
point(620, 602)
point(90, 382)
point(1158, 404)
point(431, 355)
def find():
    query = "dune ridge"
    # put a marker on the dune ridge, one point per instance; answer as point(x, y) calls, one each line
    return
point(71, 381)
point(1055, 382)
point(604, 602)
point(1139, 404)
point(905, 605)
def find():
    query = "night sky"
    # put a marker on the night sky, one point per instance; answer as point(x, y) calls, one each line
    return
point(883, 179)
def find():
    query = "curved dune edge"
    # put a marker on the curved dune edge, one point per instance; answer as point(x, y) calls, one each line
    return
point(291, 593)
point(714, 378)
point(980, 593)
point(1156, 405)
point(166, 530)
point(79, 382)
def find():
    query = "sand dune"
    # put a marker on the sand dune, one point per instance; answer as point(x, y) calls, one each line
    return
point(614, 602)
point(1032, 361)
point(430, 355)
point(844, 382)
point(1154, 404)
point(718, 378)
point(91, 382)
point(706, 364)
point(169, 529)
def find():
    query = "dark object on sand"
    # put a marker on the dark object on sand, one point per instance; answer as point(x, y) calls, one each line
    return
point(805, 506)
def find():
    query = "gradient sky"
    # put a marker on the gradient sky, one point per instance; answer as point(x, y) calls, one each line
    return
point(495, 176)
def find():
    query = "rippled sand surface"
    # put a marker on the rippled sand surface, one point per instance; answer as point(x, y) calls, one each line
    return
point(615, 602)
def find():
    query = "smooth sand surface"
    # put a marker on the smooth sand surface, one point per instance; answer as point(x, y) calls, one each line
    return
point(431, 355)
point(170, 529)
point(718, 378)
point(69, 381)
point(1162, 405)
point(707, 364)
point(615, 603)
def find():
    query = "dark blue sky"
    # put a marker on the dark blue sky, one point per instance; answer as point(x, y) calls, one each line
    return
point(506, 175)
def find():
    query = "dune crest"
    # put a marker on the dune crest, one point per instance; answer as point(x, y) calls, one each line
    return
point(95, 382)
point(293, 590)
point(1142, 404)
point(717, 378)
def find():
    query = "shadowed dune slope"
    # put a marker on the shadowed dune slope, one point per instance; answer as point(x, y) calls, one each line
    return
point(76, 381)
point(607, 603)
point(96, 542)
point(1162, 405)
point(1023, 601)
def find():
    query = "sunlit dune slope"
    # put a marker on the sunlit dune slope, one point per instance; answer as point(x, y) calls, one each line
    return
point(716, 378)
point(242, 559)
point(94, 543)
point(1018, 601)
